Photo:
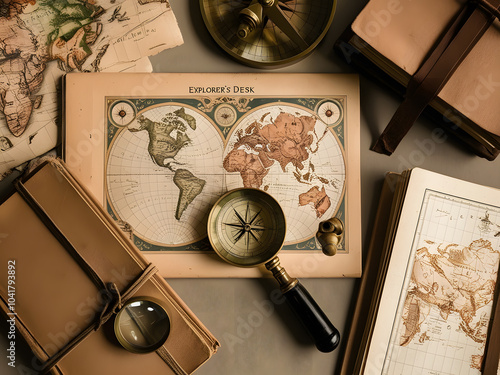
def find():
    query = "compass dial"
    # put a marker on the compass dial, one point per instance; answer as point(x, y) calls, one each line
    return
point(225, 115)
point(268, 33)
point(330, 112)
point(246, 227)
point(122, 112)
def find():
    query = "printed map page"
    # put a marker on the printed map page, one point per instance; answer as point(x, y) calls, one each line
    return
point(445, 315)
point(169, 161)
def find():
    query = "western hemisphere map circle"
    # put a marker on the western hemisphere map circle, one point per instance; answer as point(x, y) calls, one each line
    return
point(145, 187)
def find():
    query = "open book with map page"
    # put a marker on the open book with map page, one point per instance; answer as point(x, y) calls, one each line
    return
point(428, 301)
point(158, 150)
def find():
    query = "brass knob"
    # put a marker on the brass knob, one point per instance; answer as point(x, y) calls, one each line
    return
point(329, 235)
point(250, 18)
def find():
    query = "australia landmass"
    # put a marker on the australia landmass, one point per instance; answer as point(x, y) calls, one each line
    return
point(163, 146)
point(317, 198)
point(455, 280)
point(287, 141)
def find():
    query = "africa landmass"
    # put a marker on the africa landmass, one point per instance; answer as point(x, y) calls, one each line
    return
point(454, 280)
point(286, 140)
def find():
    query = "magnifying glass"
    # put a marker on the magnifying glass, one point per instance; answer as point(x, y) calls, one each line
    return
point(142, 325)
point(246, 228)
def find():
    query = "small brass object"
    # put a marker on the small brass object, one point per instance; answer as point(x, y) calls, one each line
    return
point(250, 18)
point(330, 234)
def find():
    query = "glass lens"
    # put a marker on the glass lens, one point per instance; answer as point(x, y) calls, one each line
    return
point(142, 326)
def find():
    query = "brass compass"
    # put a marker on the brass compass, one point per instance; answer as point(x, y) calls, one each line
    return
point(268, 33)
point(246, 227)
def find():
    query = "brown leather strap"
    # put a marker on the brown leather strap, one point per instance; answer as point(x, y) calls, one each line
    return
point(111, 307)
point(489, 7)
point(468, 27)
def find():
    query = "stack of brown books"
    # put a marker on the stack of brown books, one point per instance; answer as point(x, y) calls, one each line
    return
point(396, 41)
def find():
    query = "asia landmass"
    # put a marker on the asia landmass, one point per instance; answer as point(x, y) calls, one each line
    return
point(454, 280)
point(286, 140)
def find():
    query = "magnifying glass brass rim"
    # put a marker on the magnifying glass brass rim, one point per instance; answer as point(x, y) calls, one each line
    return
point(142, 324)
point(246, 227)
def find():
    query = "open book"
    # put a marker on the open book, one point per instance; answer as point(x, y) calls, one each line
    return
point(428, 295)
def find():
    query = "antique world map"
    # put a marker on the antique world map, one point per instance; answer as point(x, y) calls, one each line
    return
point(41, 40)
point(169, 160)
point(445, 314)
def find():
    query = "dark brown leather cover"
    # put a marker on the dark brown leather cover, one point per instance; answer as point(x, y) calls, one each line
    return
point(393, 41)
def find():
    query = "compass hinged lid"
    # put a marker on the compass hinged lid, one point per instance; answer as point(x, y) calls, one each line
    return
point(268, 33)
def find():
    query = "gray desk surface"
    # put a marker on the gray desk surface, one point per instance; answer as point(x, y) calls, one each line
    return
point(258, 337)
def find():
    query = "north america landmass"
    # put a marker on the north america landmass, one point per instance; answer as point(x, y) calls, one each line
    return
point(166, 139)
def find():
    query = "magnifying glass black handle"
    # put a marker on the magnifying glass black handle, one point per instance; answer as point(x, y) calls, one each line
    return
point(325, 335)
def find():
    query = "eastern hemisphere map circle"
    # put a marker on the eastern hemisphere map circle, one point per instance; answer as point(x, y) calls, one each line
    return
point(290, 153)
point(163, 174)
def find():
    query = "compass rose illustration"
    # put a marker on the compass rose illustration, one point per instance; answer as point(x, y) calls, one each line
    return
point(330, 112)
point(122, 112)
point(246, 226)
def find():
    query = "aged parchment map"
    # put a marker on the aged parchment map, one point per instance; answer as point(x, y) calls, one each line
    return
point(168, 161)
point(444, 317)
point(41, 40)
point(158, 150)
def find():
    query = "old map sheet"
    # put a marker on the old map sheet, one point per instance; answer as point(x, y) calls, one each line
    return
point(168, 158)
point(41, 40)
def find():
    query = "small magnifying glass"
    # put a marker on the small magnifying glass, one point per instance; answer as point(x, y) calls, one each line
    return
point(246, 228)
point(142, 325)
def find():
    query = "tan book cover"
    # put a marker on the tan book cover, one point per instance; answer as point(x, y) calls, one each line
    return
point(57, 243)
